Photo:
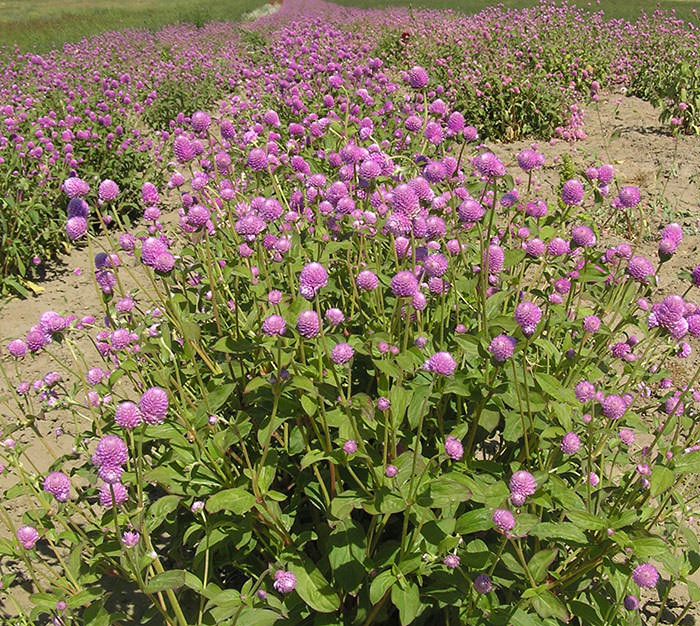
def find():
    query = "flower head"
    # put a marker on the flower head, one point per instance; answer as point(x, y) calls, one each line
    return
point(154, 405)
point(522, 484)
point(285, 581)
point(504, 520)
point(502, 347)
point(442, 363)
point(27, 536)
point(342, 353)
point(645, 575)
point(58, 485)
point(454, 448)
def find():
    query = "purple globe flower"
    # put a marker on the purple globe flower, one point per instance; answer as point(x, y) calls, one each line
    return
point(454, 448)
point(504, 520)
point(182, 147)
point(558, 247)
point(350, 446)
point(502, 347)
point(496, 258)
point(154, 405)
point(645, 575)
point(570, 443)
point(482, 584)
point(274, 325)
point(342, 353)
point(442, 363)
point(105, 494)
point(527, 315)
point(629, 197)
point(696, 276)
point(613, 406)
point(470, 210)
point(640, 268)
point(606, 173)
point(75, 186)
point(418, 77)
point(257, 160)
point(489, 165)
point(583, 236)
point(76, 227)
point(107, 190)
point(572, 192)
point(367, 280)
point(58, 485)
point(308, 323)
point(405, 201)
point(312, 278)
point(285, 581)
point(27, 536)
point(435, 265)
point(130, 538)
point(631, 603)
point(390, 471)
point(522, 484)
point(591, 324)
point(111, 451)
point(451, 561)
point(528, 160)
point(200, 121)
point(404, 284)
point(17, 348)
point(334, 316)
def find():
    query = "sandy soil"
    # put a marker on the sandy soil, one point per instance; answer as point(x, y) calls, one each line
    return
point(629, 136)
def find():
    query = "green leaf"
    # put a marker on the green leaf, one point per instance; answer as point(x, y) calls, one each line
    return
point(160, 509)
point(407, 601)
point(560, 530)
point(540, 562)
point(648, 546)
point(86, 596)
point(688, 463)
point(520, 618)
point(165, 581)
point(347, 553)
point(585, 520)
point(661, 479)
point(380, 585)
point(312, 587)
point(548, 605)
point(236, 500)
point(474, 521)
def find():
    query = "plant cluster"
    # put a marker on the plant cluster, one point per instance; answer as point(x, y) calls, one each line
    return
point(372, 375)
point(116, 98)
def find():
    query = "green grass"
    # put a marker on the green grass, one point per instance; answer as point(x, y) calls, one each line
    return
point(43, 24)
point(613, 8)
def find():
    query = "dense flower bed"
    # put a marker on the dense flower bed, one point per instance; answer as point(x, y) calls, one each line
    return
point(114, 98)
point(371, 376)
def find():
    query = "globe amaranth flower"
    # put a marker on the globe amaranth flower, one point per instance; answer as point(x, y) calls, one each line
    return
point(442, 363)
point(390, 471)
point(418, 77)
point(591, 324)
point(527, 315)
point(613, 406)
point(308, 323)
point(529, 160)
point(27, 536)
point(367, 280)
point(583, 236)
point(127, 415)
point(130, 538)
point(76, 227)
point(572, 192)
point(504, 520)
point(312, 278)
point(154, 405)
point(570, 443)
point(502, 347)
point(107, 190)
point(350, 446)
point(111, 451)
point(106, 491)
point(631, 603)
point(482, 584)
point(334, 316)
point(489, 165)
point(522, 484)
point(58, 485)
point(628, 197)
point(285, 581)
point(274, 325)
point(404, 284)
point(451, 561)
point(454, 448)
point(640, 268)
point(645, 575)
point(17, 348)
point(342, 353)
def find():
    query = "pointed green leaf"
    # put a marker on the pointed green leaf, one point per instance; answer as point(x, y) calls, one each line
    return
point(236, 500)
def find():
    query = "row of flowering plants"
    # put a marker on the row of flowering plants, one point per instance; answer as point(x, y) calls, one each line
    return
point(116, 98)
point(367, 378)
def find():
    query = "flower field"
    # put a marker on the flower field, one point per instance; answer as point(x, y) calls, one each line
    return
point(358, 352)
